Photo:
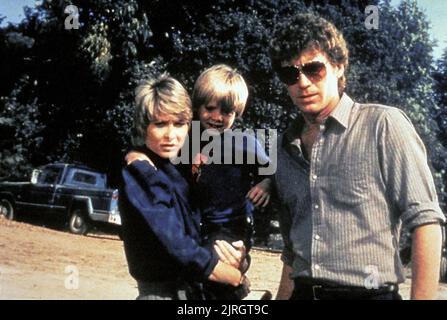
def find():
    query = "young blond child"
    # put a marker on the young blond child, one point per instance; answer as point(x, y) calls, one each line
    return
point(223, 188)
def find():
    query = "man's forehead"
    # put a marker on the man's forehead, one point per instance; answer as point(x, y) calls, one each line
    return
point(308, 55)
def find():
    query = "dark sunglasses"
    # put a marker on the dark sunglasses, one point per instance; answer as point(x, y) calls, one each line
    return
point(314, 71)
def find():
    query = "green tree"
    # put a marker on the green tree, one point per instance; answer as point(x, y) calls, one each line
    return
point(440, 114)
point(84, 79)
point(20, 131)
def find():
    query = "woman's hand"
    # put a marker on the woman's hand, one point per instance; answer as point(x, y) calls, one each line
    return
point(232, 265)
point(233, 254)
point(135, 155)
point(260, 193)
point(225, 273)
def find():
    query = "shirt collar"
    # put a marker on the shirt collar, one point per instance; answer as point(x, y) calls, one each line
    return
point(340, 114)
point(342, 111)
point(294, 129)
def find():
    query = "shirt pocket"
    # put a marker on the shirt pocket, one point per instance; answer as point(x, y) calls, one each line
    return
point(348, 184)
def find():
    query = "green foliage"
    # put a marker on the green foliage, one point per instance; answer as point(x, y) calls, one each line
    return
point(440, 114)
point(20, 132)
point(84, 79)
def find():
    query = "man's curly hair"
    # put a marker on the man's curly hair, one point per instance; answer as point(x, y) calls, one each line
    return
point(308, 31)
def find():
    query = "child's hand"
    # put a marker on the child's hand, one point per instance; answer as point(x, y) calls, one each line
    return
point(260, 193)
point(135, 155)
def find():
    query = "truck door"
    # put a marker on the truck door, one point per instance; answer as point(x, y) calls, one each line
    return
point(42, 193)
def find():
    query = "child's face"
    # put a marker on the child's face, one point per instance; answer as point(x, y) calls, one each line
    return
point(212, 117)
point(166, 134)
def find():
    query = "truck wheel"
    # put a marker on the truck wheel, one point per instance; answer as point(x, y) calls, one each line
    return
point(78, 223)
point(443, 270)
point(6, 209)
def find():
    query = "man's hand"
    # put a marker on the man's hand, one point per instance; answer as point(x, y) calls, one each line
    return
point(233, 254)
point(260, 193)
point(135, 155)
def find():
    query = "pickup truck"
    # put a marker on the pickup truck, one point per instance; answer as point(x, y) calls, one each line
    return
point(76, 193)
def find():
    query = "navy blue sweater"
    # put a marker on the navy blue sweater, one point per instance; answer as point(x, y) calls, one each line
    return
point(220, 190)
point(160, 232)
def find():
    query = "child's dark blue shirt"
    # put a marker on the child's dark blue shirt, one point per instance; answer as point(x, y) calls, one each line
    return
point(220, 189)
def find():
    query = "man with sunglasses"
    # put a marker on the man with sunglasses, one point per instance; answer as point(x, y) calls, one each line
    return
point(348, 175)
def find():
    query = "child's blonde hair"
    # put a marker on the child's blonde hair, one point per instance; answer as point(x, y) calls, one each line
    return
point(224, 84)
point(163, 95)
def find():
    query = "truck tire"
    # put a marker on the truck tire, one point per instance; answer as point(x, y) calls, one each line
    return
point(77, 222)
point(7, 209)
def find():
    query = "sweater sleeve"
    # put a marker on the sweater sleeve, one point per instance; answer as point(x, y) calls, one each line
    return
point(148, 191)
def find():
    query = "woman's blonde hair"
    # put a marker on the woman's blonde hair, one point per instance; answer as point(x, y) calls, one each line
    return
point(162, 95)
point(224, 84)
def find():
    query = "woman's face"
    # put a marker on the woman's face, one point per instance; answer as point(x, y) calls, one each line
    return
point(166, 134)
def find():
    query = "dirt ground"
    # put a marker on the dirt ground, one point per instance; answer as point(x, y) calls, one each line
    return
point(42, 263)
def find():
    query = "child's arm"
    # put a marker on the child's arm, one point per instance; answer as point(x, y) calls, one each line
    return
point(260, 193)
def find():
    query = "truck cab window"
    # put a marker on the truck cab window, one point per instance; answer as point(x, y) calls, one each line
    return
point(50, 176)
point(84, 178)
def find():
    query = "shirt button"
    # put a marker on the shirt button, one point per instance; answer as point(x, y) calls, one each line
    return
point(317, 267)
point(314, 177)
point(316, 206)
point(317, 237)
